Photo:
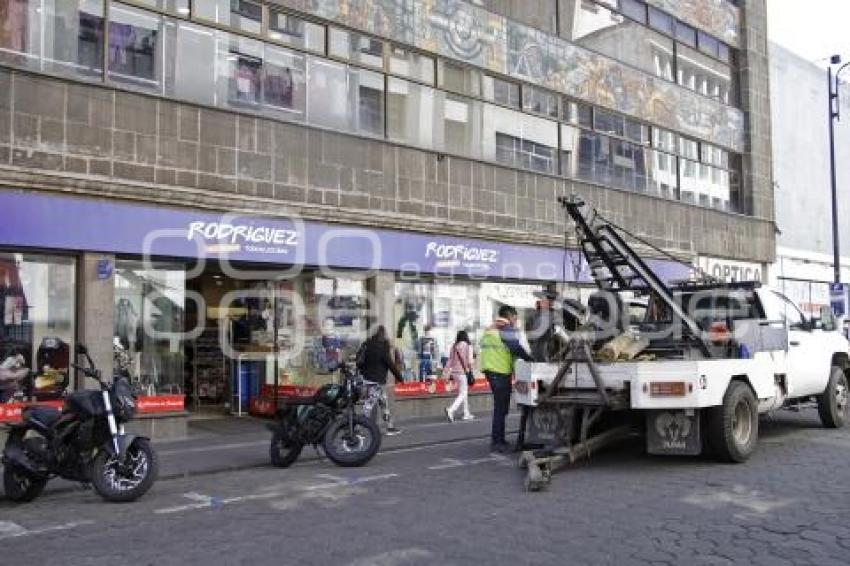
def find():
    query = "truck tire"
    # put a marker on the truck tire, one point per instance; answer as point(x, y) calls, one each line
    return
point(733, 427)
point(833, 403)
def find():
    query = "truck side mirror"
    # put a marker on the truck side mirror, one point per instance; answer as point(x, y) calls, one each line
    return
point(827, 319)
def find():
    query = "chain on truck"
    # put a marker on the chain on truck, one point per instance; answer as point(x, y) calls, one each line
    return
point(686, 366)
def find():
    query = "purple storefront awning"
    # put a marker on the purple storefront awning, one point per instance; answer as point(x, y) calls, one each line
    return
point(60, 222)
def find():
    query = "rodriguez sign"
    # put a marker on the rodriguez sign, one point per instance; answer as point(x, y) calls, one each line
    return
point(225, 237)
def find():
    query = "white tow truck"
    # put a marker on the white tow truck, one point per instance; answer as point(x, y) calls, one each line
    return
point(712, 357)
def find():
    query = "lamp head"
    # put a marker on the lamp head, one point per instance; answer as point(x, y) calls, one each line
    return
point(835, 60)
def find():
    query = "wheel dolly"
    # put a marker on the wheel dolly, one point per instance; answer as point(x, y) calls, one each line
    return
point(563, 417)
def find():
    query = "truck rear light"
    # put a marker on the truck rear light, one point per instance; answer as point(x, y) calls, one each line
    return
point(668, 389)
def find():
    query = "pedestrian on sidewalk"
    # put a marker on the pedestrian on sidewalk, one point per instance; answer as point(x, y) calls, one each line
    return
point(376, 363)
point(459, 368)
point(500, 347)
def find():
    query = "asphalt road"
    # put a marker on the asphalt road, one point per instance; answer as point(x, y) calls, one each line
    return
point(457, 504)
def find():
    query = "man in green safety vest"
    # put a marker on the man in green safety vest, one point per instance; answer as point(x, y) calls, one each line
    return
point(500, 346)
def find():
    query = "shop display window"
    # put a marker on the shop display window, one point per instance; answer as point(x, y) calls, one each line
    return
point(149, 320)
point(37, 298)
point(428, 316)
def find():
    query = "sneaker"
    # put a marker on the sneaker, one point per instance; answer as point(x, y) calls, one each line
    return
point(469, 417)
point(393, 431)
point(449, 415)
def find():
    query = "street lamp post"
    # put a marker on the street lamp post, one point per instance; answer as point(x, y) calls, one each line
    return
point(834, 115)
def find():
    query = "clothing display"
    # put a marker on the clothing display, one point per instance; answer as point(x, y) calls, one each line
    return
point(127, 325)
point(246, 79)
point(132, 50)
point(280, 88)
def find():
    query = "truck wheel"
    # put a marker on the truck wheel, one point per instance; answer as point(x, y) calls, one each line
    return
point(733, 427)
point(833, 403)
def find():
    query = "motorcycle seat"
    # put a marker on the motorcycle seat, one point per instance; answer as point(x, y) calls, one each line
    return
point(302, 400)
point(45, 415)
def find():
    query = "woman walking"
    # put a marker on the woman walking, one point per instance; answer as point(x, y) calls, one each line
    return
point(459, 367)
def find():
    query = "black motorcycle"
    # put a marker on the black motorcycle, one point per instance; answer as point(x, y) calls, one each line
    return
point(331, 418)
point(84, 442)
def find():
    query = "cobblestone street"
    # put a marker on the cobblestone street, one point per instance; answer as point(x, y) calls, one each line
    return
point(454, 503)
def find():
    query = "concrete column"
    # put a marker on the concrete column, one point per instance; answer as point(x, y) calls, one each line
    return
point(381, 289)
point(95, 315)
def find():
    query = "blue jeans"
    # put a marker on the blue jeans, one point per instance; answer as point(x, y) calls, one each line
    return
point(425, 368)
point(500, 385)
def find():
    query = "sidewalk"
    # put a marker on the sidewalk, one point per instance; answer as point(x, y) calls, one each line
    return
point(227, 444)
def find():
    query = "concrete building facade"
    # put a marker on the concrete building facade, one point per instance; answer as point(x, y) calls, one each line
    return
point(441, 119)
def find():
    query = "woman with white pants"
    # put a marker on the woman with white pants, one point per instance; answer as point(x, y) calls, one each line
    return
point(459, 363)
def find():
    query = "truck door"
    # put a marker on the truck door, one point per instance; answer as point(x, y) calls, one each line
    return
point(807, 365)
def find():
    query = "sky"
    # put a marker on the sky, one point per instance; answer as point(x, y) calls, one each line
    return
point(815, 29)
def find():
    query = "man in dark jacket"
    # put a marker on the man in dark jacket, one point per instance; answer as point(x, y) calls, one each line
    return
point(376, 362)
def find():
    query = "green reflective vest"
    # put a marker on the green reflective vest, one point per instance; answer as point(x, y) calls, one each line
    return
point(495, 356)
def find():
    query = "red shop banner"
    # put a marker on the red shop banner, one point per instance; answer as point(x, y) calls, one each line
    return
point(147, 405)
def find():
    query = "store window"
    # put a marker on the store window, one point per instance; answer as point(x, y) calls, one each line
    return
point(149, 321)
point(288, 29)
point(429, 315)
point(336, 322)
point(73, 37)
point(135, 47)
point(243, 15)
point(37, 321)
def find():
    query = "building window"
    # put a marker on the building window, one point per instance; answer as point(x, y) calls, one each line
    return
point(284, 82)
point(193, 72)
point(73, 37)
point(539, 101)
point(410, 64)
point(37, 321)
point(327, 86)
point(570, 138)
point(459, 78)
point(411, 113)
point(135, 47)
point(179, 7)
point(662, 21)
point(500, 91)
point(635, 9)
point(686, 34)
point(286, 28)
point(369, 90)
point(243, 15)
point(244, 59)
point(609, 123)
point(356, 48)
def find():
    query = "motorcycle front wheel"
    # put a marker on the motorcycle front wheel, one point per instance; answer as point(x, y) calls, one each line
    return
point(282, 451)
point(355, 447)
point(126, 481)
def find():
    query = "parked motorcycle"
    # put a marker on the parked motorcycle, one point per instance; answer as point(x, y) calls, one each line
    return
point(330, 417)
point(84, 442)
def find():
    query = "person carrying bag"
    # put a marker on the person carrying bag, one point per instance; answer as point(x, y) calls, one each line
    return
point(459, 368)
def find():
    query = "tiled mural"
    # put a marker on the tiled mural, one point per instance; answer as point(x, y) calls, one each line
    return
point(459, 30)
point(720, 18)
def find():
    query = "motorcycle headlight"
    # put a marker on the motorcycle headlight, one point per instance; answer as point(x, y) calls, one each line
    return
point(123, 400)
